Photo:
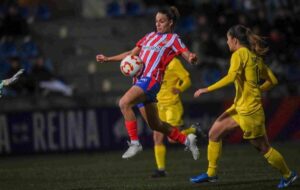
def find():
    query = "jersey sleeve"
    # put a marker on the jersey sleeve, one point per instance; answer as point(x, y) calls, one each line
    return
point(269, 77)
point(140, 42)
point(178, 46)
point(183, 75)
point(235, 68)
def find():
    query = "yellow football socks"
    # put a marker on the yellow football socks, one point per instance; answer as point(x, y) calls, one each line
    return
point(160, 156)
point(214, 151)
point(277, 161)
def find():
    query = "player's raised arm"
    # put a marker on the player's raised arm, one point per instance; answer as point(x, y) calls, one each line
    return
point(102, 58)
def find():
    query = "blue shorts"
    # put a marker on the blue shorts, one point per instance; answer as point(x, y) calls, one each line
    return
point(150, 87)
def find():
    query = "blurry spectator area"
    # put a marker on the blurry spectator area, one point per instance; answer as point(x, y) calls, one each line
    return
point(111, 8)
point(24, 49)
point(24, 12)
point(75, 43)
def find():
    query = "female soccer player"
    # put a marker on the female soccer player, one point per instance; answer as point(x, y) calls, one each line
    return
point(170, 109)
point(156, 49)
point(246, 70)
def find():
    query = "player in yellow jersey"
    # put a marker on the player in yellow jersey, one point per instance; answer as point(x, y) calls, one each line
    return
point(170, 109)
point(246, 70)
point(176, 80)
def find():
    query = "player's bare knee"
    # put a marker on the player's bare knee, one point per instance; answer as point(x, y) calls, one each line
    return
point(158, 141)
point(212, 136)
point(158, 138)
point(123, 104)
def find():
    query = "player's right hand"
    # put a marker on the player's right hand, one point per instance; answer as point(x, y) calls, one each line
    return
point(101, 58)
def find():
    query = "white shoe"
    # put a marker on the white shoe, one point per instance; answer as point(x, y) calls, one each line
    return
point(192, 146)
point(132, 150)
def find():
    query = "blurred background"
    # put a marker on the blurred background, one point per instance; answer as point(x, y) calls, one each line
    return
point(66, 101)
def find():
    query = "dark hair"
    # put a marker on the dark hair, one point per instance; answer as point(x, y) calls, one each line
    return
point(172, 13)
point(247, 38)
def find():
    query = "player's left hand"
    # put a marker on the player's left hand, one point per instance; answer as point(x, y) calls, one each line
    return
point(200, 91)
point(13, 79)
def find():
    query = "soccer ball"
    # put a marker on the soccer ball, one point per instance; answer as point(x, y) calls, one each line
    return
point(131, 66)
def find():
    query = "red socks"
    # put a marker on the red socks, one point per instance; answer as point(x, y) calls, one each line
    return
point(131, 127)
point(176, 135)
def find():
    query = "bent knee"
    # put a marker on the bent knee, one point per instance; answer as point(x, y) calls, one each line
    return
point(214, 134)
point(158, 138)
point(123, 103)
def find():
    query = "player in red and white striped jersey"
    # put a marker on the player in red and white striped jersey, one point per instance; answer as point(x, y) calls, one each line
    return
point(156, 49)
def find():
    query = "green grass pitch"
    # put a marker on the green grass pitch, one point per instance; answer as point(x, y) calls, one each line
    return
point(241, 168)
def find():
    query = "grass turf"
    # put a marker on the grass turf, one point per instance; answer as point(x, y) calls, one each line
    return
point(241, 167)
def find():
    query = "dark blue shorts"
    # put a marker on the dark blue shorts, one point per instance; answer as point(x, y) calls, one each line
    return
point(150, 87)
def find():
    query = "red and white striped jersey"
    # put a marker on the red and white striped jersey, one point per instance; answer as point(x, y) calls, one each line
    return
point(157, 50)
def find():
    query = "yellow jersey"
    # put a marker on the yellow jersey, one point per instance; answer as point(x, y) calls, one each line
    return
point(176, 76)
point(246, 70)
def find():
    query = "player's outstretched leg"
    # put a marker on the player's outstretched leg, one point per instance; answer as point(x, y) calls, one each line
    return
point(214, 150)
point(134, 144)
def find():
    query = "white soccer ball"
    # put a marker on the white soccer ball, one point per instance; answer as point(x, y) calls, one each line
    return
point(131, 65)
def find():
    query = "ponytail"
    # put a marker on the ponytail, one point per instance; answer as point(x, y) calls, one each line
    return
point(175, 13)
point(257, 43)
point(246, 37)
